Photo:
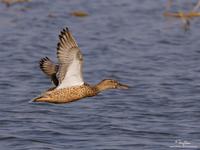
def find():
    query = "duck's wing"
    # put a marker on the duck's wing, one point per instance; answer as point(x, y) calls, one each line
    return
point(49, 68)
point(70, 61)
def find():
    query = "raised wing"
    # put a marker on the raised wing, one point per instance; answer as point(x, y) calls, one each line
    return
point(50, 69)
point(70, 61)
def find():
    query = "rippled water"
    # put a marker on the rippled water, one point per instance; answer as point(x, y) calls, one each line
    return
point(126, 40)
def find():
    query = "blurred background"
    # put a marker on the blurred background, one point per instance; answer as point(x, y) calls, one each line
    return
point(130, 41)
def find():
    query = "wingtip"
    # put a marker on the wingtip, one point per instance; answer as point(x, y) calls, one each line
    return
point(42, 60)
point(67, 29)
point(61, 35)
point(66, 39)
point(58, 46)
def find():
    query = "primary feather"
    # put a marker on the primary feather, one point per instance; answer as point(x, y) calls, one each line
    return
point(50, 69)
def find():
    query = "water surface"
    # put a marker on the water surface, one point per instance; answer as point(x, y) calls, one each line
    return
point(125, 40)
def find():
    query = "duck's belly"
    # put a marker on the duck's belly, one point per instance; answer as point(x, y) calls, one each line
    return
point(66, 95)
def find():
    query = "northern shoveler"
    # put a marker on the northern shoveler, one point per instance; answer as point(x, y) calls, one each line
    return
point(67, 75)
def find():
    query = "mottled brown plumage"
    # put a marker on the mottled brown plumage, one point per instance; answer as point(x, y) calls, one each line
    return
point(66, 95)
point(71, 94)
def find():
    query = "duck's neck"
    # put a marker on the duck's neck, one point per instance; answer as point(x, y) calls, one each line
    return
point(102, 87)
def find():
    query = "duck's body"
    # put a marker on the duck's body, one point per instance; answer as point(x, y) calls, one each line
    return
point(66, 95)
point(67, 74)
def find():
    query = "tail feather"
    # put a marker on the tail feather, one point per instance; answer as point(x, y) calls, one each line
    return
point(41, 99)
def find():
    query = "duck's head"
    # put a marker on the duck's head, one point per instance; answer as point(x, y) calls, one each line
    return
point(110, 84)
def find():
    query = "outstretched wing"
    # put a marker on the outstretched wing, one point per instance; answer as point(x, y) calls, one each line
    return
point(50, 69)
point(70, 61)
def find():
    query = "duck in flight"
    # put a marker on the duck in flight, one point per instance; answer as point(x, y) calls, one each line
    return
point(67, 74)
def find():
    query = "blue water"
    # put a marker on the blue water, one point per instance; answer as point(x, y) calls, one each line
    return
point(125, 40)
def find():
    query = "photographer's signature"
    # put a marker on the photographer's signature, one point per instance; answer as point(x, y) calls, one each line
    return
point(183, 144)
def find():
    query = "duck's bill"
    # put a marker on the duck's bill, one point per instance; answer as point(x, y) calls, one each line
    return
point(122, 86)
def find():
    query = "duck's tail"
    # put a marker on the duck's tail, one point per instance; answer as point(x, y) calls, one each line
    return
point(41, 99)
point(44, 96)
